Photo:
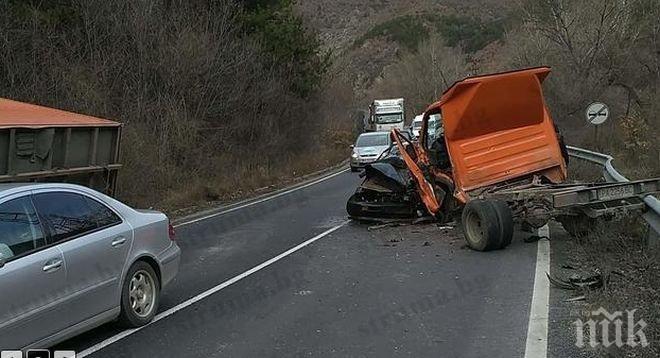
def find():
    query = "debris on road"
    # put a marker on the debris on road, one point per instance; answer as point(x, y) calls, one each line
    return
point(577, 281)
point(384, 225)
point(568, 267)
point(446, 227)
point(424, 220)
point(534, 238)
point(576, 298)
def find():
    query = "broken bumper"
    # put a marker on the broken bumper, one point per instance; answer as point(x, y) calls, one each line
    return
point(385, 193)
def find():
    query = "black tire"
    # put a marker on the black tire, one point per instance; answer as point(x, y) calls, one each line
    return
point(481, 226)
point(128, 316)
point(354, 169)
point(505, 218)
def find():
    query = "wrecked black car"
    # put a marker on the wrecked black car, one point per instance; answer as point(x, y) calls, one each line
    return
point(387, 192)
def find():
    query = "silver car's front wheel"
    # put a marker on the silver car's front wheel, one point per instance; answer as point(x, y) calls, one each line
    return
point(140, 295)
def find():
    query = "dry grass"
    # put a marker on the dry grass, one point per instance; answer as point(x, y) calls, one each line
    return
point(583, 171)
point(240, 178)
point(208, 113)
point(618, 251)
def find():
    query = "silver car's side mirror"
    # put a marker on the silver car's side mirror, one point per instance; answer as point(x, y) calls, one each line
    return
point(352, 146)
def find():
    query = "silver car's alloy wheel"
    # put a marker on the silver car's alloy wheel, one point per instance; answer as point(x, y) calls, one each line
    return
point(142, 293)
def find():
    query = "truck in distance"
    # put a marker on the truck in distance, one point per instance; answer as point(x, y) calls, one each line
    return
point(385, 115)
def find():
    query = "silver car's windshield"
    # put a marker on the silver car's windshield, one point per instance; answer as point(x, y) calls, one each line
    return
point(373, 140)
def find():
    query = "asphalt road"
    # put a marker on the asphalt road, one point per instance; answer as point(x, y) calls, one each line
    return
point(402, 291)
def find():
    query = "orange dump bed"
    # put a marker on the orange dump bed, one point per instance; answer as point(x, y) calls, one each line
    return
point(15, 114)
point(497, 127)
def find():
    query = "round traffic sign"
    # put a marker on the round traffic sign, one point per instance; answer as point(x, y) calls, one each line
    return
point(597, 113)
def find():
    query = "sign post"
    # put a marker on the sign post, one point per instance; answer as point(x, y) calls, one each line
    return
point(597, 114)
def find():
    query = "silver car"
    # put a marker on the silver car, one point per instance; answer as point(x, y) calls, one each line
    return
point(72, 259)
point(368, 147)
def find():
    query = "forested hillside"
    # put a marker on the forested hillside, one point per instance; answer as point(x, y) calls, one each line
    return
point(599, 50)
point(216, 97)
point(221, 97)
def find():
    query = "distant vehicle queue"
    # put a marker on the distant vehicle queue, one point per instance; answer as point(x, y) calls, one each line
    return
point(384, 115)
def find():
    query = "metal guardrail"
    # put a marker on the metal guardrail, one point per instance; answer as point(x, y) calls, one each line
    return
point(652, 215)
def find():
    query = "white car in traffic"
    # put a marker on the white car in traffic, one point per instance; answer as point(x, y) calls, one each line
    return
point(368, 147)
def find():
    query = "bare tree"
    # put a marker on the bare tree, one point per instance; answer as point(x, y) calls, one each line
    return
point(200, 104)
point(423, 76)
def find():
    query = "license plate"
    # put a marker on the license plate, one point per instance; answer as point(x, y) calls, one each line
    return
point(616, 192)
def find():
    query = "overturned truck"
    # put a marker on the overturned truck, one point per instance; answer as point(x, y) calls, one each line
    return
point(499, 162)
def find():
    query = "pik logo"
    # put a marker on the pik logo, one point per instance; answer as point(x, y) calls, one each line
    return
point(611, 329)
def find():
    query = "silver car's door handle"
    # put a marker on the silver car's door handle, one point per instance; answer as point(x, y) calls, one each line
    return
point(118, 241)
point(52, 265)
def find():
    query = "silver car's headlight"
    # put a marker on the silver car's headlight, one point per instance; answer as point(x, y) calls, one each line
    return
point(354, 155)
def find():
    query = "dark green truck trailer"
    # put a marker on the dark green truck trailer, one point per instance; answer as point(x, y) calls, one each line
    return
point(50, 145)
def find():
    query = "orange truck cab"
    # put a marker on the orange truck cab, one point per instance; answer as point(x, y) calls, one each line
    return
point(497, 128)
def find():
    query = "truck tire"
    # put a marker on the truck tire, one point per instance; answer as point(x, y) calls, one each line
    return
point(505, 218)
point(140, 296)
point(481, 225)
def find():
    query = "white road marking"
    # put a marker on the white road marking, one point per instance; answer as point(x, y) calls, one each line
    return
point(250, 203)
point(537, 328)
point(206, 294)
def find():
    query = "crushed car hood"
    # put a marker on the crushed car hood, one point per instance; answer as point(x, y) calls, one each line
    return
point(390, 174)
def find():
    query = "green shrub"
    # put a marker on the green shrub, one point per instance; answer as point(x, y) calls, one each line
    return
point(409, 31)
point(282, 36)
point(470, 33)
